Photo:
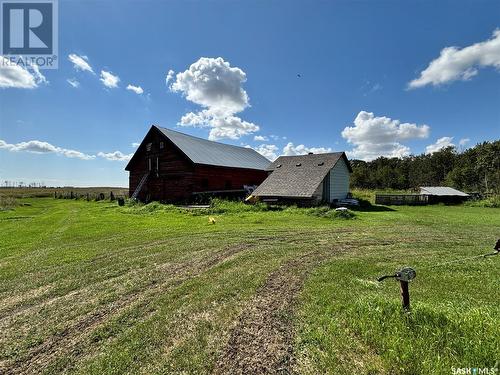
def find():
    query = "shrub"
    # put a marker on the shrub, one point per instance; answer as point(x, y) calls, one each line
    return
point(491, 202)
point(220, 206)
point(151, 207)
point(8, 203)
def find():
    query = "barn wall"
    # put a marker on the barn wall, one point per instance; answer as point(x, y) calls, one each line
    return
point(339, 181)
point(212, 178)
point(171, 172)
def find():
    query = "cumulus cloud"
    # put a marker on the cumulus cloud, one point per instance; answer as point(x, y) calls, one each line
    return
point(109, 79)
point(381, 136)
point(260, 138)
point(463, 141)
point(137, 89)
point(15, 76)
point(170, 76)
point(216, 86)
point(40, 147)
point(268, 151)
point(115, 156)
point(135, 144)
point(290, 150)
point(73, 82)
point(460, 64)
point(80, 62)
point(440, 144)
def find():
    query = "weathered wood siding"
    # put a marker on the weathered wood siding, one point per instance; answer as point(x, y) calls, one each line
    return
point(339, 181)
point(401, 199)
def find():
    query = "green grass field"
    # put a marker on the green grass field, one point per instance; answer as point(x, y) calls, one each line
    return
point(93, 288)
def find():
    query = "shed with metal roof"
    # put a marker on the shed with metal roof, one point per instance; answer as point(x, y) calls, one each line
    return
point(443, 194)
point(442, 191)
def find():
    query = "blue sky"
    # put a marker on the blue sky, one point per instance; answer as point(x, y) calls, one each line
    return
point(299, 76)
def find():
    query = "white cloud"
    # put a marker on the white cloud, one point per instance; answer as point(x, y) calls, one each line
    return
point(73, 82)
point(115, 156)
point(80, 62)
point(109, 79)
point(137, 89)
point(135, 144)
point(463, 141)
point(440, 143)
point(290, 150)
point(170, 76)
point(276, 137)
point(381, 136)
point(268, 151)
point(460, 64)
point(260, 138)
point(231, 127)
point(40, 147)
point(15, 76)
point(217, 87)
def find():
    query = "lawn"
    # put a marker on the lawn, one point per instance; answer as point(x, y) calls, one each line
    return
point(93, 288)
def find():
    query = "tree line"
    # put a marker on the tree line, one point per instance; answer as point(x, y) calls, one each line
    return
point(476, 169)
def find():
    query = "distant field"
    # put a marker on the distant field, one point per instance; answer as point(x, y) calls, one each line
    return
point(49, 192)
point(93, 288)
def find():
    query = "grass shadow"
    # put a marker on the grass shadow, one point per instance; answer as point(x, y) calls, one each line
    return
point(367, 206)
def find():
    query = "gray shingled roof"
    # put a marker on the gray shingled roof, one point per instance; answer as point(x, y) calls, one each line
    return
point(202, 151)
point(291, 180)
point(441, 191)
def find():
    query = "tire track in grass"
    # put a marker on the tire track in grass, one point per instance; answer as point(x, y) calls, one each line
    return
point(262, 340)
point(24, 300)
point(72, 340)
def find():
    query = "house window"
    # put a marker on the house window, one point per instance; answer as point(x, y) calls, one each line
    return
point(148, 146)
point(162, 145)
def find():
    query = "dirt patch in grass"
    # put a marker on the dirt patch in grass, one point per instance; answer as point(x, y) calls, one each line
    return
point(262, 340)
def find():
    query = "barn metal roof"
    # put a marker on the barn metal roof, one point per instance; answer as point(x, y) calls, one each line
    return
point(203, 151)
point(441, 191)
point(298, 176)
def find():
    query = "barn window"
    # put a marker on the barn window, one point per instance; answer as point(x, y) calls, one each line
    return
point(149, 163)
point(162, 145)
point(157, 163)
point(148, 146)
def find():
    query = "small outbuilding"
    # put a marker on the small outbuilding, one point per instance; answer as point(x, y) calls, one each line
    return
point(306, 179)
point(443, 194)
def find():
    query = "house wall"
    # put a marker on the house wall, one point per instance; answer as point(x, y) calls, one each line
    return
point(339, 180)
point(176, 177)
point(317, 196)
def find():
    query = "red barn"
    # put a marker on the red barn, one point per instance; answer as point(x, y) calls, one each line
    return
point(170, 166)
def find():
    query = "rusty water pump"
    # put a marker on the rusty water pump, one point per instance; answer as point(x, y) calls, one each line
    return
point(404, 276)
